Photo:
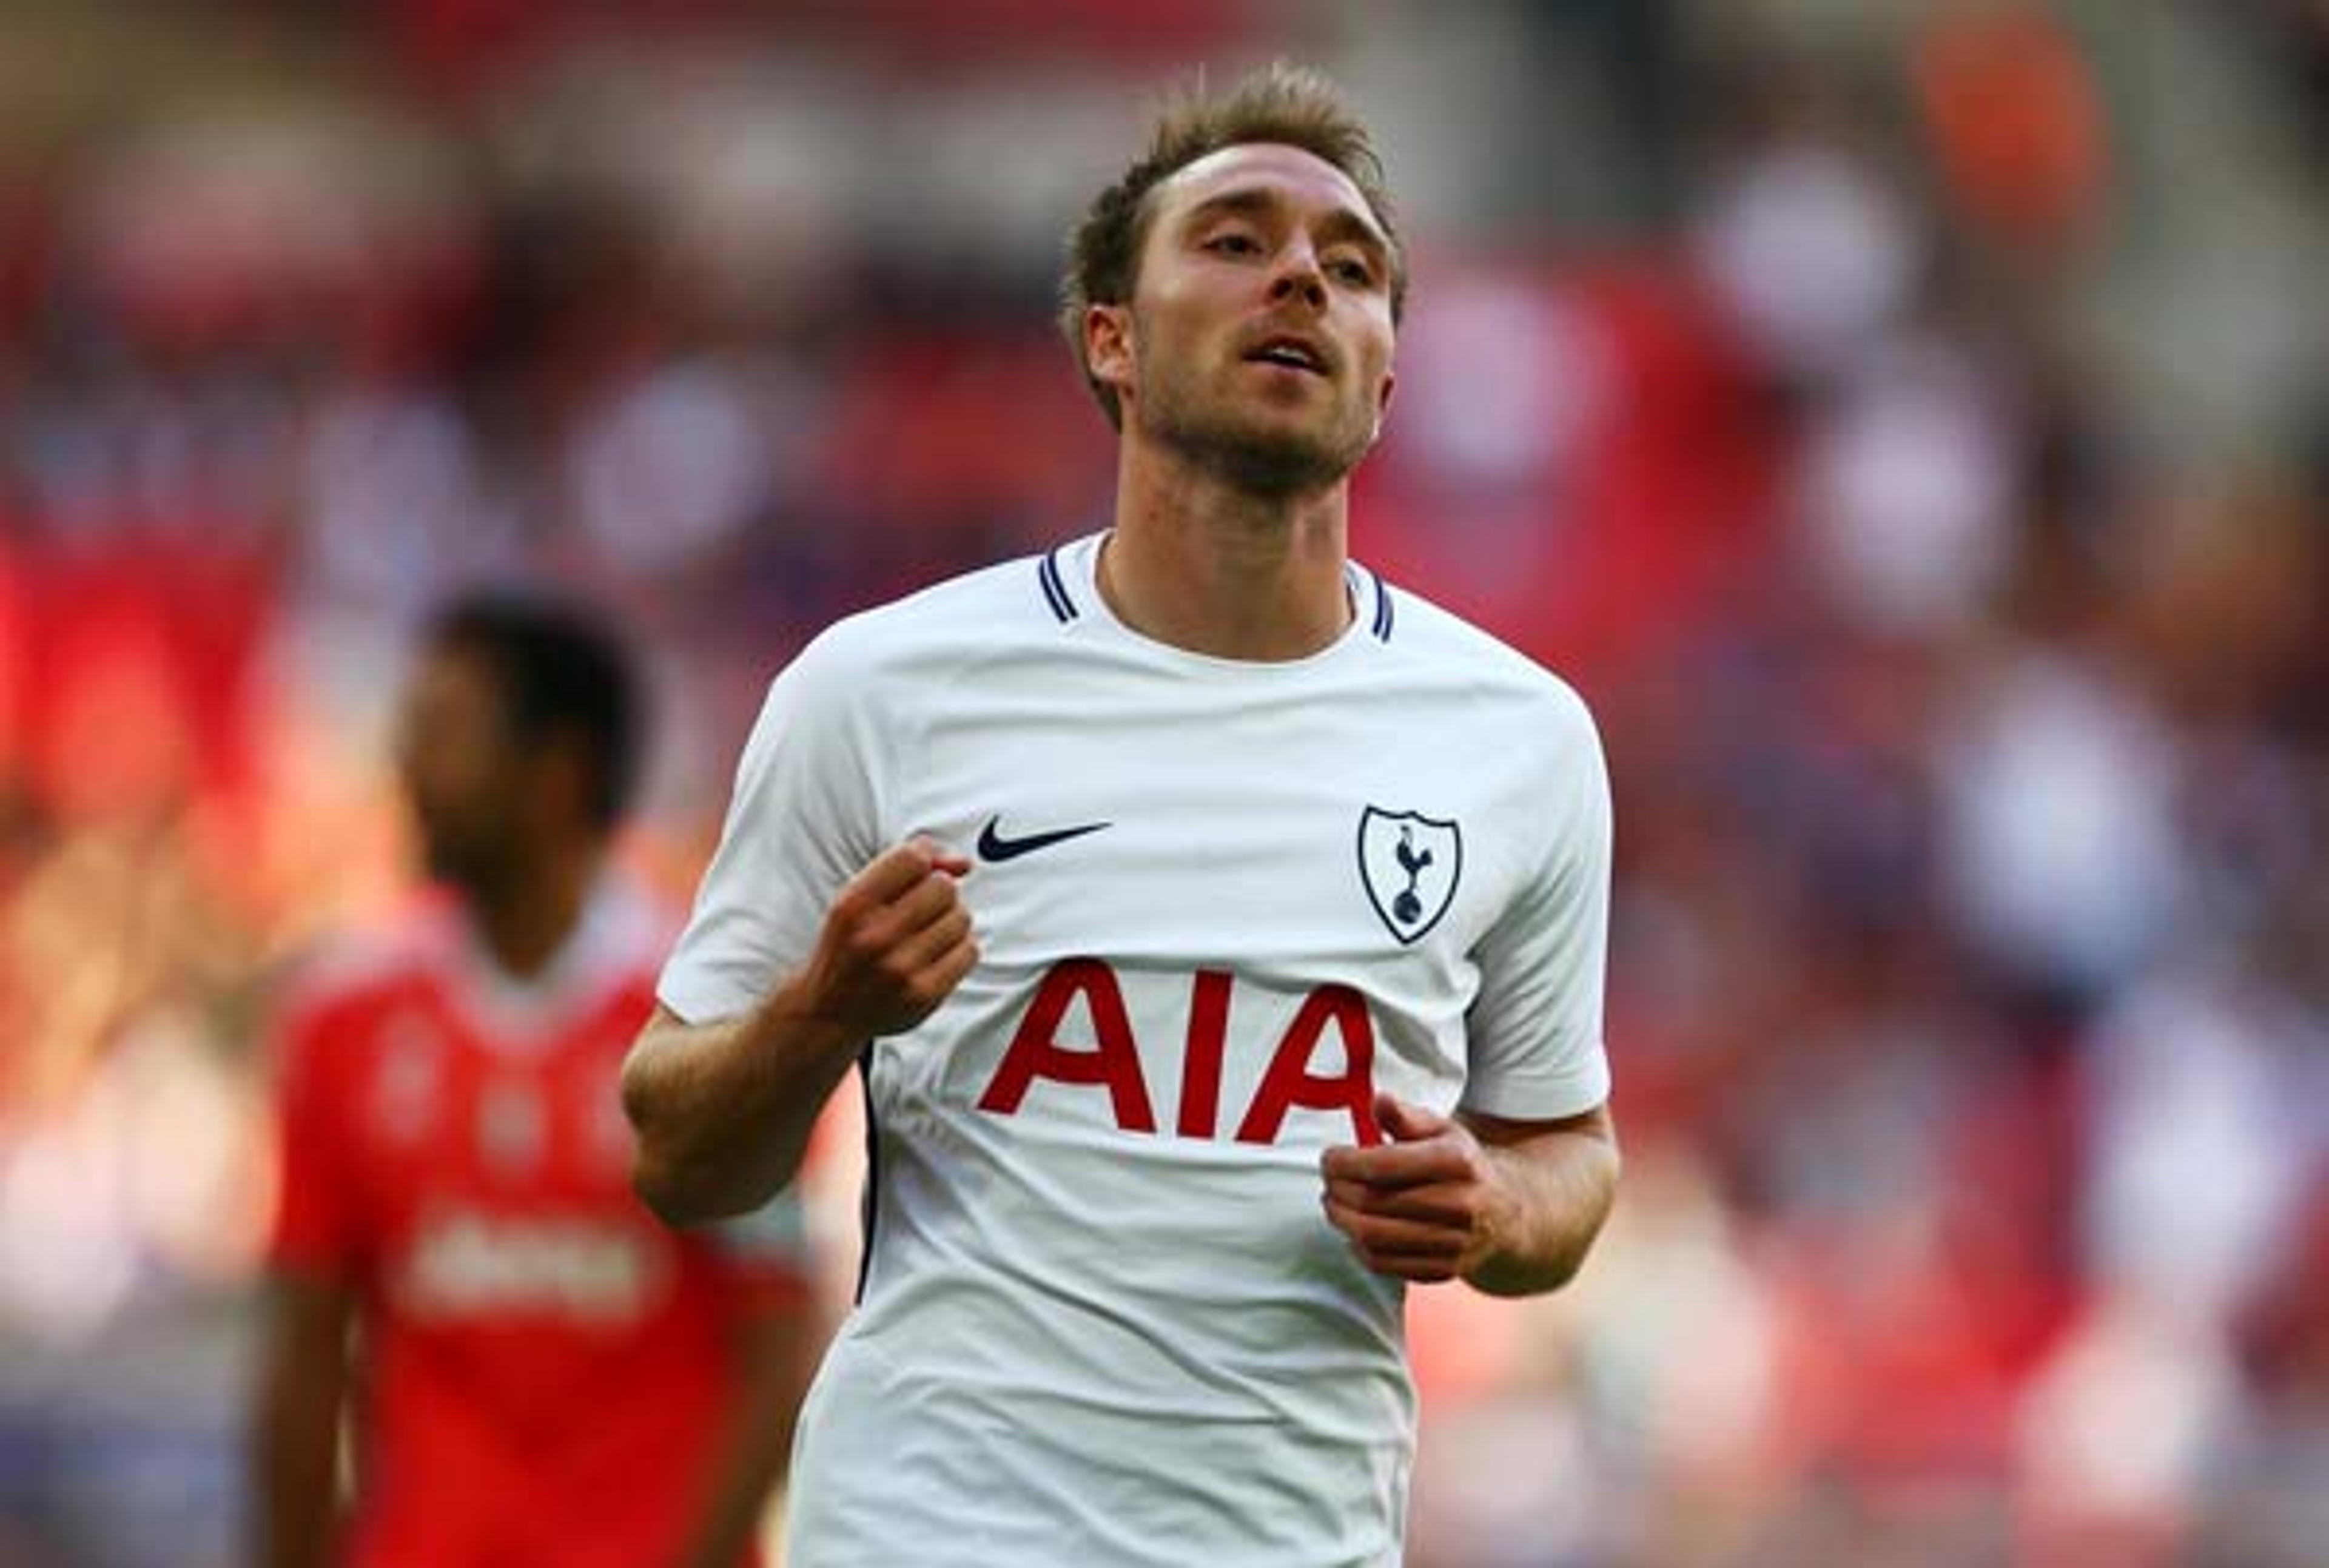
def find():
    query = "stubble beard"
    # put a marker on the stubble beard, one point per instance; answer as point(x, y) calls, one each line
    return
point(1267, 462)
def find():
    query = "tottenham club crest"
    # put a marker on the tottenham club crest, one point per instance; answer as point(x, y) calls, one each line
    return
point(1410, 863)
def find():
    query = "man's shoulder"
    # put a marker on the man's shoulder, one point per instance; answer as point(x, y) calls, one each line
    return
point(348, 966)
point(1018, 596)
point(335, 996)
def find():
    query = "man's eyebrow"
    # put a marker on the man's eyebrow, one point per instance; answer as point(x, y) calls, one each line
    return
point(1259, 201)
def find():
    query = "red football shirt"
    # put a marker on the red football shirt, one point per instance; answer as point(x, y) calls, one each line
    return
point(544, 1367)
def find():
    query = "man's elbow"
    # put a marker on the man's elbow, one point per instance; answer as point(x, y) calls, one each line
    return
point(679, 1185)
point(1562, 1270)
point(653, 1176)
point(682, 1194)
point(666, 1192)
point(658, 1176)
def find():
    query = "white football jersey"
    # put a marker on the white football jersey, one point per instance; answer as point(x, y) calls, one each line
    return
point(1103, 1318)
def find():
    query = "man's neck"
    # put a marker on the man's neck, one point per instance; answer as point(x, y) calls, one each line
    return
point(1201, 565)
point(525, 924)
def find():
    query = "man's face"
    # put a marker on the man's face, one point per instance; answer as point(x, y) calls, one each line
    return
point(463, 777)
point(1258, 337)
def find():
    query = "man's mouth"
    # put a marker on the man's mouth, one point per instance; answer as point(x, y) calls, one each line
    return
point(1293, 353)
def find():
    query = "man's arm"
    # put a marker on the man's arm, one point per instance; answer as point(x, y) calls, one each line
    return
point(1510, 1206)
point(776, 1353)
point(723, 1111)
point(296, 1437)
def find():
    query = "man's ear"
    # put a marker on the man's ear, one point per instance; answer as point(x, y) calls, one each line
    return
point(1107, 344)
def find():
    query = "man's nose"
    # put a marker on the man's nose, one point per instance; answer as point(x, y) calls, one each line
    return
point(1298, 276)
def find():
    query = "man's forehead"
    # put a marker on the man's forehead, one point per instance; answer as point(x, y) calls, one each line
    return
point(1266, 167)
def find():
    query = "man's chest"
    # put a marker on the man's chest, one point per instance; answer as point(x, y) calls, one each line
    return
point(493, 1170)
point(1215, 927)
point(1339, 837)
point(438, 1106)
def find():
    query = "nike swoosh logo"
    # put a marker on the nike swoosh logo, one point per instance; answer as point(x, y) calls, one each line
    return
point(992, 847)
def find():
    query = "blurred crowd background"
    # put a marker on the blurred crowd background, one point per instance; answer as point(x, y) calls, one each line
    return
point(1907, 423)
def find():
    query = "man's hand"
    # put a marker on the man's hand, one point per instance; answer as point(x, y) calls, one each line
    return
point(1511, 1208)
point(896, 942)
point(1425, 1205)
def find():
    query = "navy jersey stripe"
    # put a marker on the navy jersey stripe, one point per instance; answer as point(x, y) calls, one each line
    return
point(1051, 594)
point(1382, 606)
point(1055, 588)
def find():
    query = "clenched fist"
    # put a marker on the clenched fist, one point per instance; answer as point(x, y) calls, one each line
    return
point(1423, 1205)
point(896, 942)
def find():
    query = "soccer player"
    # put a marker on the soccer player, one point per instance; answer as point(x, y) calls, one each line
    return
point(1290, 894)
point(544, 1375)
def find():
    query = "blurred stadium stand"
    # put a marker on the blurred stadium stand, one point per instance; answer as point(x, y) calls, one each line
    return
point(1908, 423)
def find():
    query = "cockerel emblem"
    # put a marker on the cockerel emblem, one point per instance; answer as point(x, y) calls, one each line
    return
point(1410, 863)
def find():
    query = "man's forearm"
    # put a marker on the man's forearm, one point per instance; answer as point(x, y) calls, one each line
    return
point(723, 1112)
point(295, 1435)
point(297, 1466)
point(1559, 1187)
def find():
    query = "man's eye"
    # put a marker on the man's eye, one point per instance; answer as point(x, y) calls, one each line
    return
point(1233, 244)
point(1357, 273)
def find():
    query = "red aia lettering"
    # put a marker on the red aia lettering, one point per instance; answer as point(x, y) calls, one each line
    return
point(1200, 1070)
point(1036, 1052)
point(1113, 1058)
point(1290, 1082)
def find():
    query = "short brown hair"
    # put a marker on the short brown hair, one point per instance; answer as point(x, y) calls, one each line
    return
point(1280, 103)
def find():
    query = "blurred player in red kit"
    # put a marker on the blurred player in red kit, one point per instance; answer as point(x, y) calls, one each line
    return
point(533, 1370)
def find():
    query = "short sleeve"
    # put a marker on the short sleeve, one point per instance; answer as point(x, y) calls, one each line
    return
point(316, 1223)
point(803, 821)
point(1535, 1027)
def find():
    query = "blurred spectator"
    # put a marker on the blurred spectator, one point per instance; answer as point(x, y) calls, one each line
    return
point(2015, 121)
